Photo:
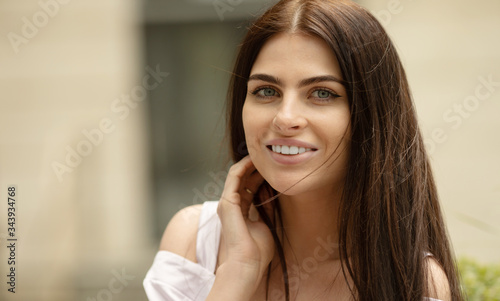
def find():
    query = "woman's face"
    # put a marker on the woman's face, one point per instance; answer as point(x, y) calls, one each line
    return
point(296, 116)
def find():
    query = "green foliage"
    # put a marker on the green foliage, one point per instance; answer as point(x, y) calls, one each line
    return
point(480, 282)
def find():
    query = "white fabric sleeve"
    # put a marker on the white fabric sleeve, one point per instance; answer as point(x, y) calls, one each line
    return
point(175, 278)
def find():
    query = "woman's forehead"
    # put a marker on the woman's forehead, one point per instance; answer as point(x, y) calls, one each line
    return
point(288, 54)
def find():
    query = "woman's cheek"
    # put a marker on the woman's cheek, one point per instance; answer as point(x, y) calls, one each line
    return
point(252, 145)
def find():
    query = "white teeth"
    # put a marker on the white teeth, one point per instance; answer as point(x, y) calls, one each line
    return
point(289, 150)
point(285, 150)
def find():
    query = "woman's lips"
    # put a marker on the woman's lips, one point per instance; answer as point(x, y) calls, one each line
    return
point(290, 151)
point(290, 142)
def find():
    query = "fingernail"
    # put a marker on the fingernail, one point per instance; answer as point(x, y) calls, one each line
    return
point(253, 214)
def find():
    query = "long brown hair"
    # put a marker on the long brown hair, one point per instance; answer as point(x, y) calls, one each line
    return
point(389, 214)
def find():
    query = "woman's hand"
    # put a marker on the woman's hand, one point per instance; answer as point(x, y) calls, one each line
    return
point(248, 241)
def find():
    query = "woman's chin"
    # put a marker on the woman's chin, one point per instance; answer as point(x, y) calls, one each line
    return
point(288, 188)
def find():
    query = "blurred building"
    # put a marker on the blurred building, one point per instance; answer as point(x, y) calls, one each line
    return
point(112, 119)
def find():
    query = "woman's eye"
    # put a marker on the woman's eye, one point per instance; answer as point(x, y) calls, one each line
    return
point(265, 92)
point(324, 94)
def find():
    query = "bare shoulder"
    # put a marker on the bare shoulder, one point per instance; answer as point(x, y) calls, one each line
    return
point(180, 235)
point(439, 287)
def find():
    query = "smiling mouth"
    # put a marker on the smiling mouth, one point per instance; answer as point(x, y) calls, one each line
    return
point(289, 149)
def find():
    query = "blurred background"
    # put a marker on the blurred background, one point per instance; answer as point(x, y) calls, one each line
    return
point(112, 119)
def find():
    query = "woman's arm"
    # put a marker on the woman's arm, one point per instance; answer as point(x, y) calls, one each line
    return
point(181, 232)
point(248, 244)
point(232, 282)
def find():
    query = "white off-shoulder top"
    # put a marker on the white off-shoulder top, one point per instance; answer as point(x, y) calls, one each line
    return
point(175, 278)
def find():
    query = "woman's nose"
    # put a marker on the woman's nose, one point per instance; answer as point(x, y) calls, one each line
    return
point(290, 117)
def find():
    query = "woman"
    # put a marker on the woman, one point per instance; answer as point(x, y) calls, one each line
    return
point(328, 151)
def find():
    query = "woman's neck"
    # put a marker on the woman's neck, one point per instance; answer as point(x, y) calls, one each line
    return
point(309, 227)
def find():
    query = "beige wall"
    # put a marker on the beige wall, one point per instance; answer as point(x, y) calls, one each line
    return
point(74, 230)
point(450, 48)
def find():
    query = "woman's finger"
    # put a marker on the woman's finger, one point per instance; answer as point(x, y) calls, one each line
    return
point(248, 190)
point(232, 204)
point(239, 170)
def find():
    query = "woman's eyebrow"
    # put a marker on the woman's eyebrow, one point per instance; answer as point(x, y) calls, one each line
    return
point(319, 79)
point(266, 78)
point(305, 82)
